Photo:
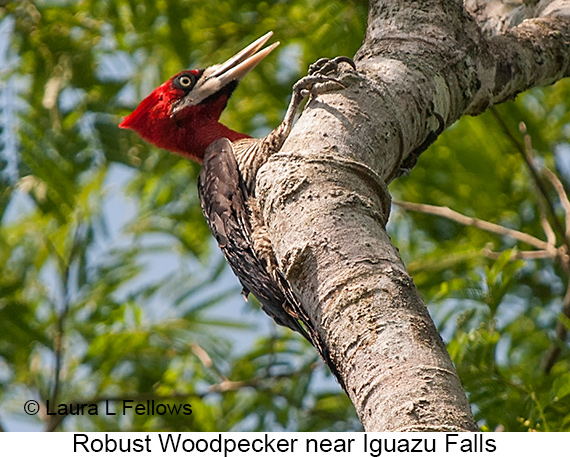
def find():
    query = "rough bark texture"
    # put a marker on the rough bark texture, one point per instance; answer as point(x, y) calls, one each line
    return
point(325, 201)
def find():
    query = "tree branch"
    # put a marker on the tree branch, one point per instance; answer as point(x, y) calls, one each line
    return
point(479, 223)
point(562, 195)
point(325, 203)
point(561, 328)
point(525, 151)
point(516, 255)
point(531, 54)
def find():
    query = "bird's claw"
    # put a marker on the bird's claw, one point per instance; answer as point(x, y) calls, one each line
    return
point(325, 66)
point(316, 84)
point(318, 80)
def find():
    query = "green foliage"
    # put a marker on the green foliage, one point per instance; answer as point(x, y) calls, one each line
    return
point(110, 288)
point(497, 309)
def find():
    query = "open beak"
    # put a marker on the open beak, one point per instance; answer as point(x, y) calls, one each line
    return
point(244, 61)
point(233, 69)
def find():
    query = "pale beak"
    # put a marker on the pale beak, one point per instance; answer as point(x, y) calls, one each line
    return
point(243, 62)
point(233, 69)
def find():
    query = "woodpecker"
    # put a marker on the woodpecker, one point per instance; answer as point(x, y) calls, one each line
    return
point(181, 115)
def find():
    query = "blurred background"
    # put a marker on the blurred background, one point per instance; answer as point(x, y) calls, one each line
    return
point(112, 288)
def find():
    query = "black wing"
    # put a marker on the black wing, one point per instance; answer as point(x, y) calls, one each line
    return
point(223, 199)
point(224, 203)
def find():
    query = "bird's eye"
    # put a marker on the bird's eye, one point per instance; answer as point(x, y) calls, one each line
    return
point(185, 82)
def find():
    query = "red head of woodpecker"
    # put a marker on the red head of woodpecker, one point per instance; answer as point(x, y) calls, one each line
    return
point(181, 115)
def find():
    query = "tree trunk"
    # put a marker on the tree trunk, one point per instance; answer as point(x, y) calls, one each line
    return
point(325, 201)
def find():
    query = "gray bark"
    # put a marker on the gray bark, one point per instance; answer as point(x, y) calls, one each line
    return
point(325, 201)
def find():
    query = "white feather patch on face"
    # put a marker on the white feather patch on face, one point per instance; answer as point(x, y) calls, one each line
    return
point(204, 88)
point(216, 77)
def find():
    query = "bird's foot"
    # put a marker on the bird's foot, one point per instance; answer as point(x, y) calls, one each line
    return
point(317, 82)
point(320, 79)
point(326, 66)
point(316, 85)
